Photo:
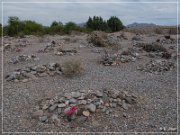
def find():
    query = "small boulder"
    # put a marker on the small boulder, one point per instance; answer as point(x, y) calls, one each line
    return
point(91, 107)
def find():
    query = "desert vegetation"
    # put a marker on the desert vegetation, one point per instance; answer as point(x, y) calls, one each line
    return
point(17, 27)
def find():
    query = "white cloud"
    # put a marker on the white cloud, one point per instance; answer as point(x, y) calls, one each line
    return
point(45, 13)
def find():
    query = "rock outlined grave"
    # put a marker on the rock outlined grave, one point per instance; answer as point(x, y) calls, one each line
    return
point(79, 106)
point(32, 72)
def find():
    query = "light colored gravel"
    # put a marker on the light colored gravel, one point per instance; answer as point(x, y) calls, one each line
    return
point(157, 106)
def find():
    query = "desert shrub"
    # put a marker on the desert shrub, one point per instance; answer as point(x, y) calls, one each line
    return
point(72, 68)
point(98, 38)
point(154, 48)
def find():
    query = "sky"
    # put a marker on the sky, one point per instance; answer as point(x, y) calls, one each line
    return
point(129, 11)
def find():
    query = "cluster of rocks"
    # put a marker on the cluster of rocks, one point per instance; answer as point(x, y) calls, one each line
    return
point(157, 66)
point(65, 52)
point(129, 55)
point(57, 49)
point(8, 47)
point(32, 72)
point(49, 47)
point(166, 40)
point(165, 55)
point(101, 39)
point(154, 50)
point(87, 103)
point(23, 58)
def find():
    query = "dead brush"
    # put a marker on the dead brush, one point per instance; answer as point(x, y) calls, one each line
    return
point(72, 68)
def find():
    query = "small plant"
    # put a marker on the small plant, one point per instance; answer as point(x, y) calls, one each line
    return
point(72, 68)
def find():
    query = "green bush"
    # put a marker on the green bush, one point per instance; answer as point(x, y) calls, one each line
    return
point(69, 27)
point(115, 24)
point(111, 25)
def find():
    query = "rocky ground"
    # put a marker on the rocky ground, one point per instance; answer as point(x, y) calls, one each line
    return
point(130, 85)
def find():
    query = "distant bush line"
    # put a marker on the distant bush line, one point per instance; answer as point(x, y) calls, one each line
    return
point(17, 27)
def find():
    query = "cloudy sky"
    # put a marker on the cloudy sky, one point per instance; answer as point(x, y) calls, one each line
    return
point(128, 11)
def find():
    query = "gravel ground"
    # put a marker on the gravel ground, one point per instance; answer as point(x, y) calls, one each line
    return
point(156, 108)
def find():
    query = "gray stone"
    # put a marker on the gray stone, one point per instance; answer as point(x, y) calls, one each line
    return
point(68, 95)
point(124, 114)
point(113, 105)
point(107, 112)
point(124, 105)
point(61, 105)
point(45, 106)
point(51, 66)
point(25, 80)
point(67, 102)
point(73, 100)
point(55, 119)
point(130, 99)
point(13, 76)
point(91, 107)
point(59, 110)
point(62, 100)
point(99, 94)
point(104, 109)
point(34, 72)
point(43, 119)
point(76, 94)
point(53, 107)
point(40, 68)
point(82, 102)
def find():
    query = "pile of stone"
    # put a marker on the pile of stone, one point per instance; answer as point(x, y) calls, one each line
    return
point(23, 58)
point(49, 47)
point(57, 49)
point(32, 72)
point(167, 39)
point(157, 66)
point(165, 55)
point(129, 55)
point(65, 52)
point(52, 110)
point(8, 47)
point(154, 50)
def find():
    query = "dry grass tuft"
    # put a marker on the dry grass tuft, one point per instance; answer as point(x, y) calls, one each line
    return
point(72, 68)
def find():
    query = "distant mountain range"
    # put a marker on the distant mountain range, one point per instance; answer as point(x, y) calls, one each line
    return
point(81, 25)
point(141, 25)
